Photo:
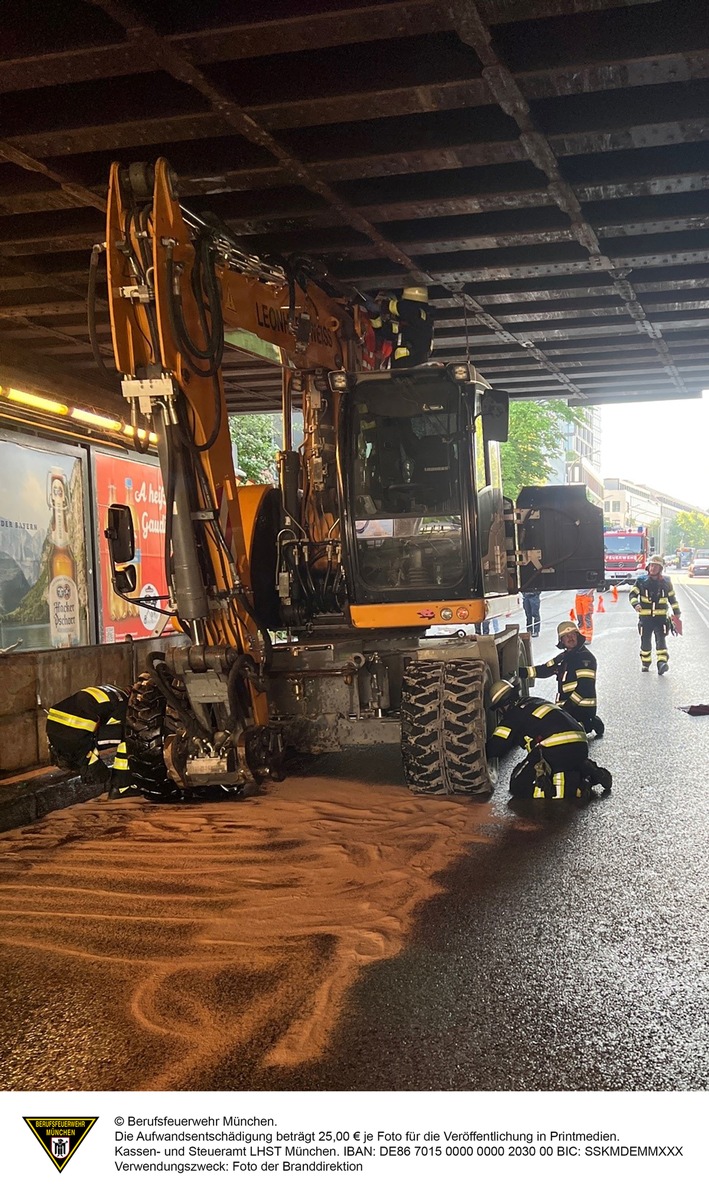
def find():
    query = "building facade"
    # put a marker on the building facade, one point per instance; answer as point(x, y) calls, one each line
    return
point(627, 505)
point(580, 461)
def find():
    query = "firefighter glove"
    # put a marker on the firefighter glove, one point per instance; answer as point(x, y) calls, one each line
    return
point(371, 306)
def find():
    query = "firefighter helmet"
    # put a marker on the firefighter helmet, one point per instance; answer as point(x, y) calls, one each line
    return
point(569, 627)
point(656, 561)
point(502, 693)
point(415, 292)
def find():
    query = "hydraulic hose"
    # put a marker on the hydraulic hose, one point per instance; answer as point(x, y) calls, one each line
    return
point(265, 635)
point(181, 340)
point(110, 376)
point(192, 723)
point(244, 667)
point(203, 283)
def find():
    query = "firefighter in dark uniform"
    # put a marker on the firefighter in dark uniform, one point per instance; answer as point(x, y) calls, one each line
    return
point(84, 724)
point(410, 324)
point(557, 766)
point(575, 670)
point(654, 600)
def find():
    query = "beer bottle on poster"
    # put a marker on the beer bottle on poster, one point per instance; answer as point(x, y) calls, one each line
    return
point(62, 592)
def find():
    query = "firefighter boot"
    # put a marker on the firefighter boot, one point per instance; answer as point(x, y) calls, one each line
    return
point(584, 795)
point(116, 792)
point(598, 727)
point(597, 777)
point(663, 668)
point(602, 778)
point(96, 772)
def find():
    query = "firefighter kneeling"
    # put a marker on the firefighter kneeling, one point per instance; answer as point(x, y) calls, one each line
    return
point(575, 670)
point(557, 766)
point(82, 725)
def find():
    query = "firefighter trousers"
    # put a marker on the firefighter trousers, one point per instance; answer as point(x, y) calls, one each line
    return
point(79, 751)
point(591, 722)
point(560, 778)
point(653, 627)
point(121, 781)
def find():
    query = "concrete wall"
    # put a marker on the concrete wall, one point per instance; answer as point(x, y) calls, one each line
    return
point(31, 682)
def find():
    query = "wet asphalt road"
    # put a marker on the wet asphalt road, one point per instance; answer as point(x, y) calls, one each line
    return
point(561, 953)
point(572, 954)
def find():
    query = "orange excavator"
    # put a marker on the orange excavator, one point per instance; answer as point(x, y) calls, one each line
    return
point(307, 608)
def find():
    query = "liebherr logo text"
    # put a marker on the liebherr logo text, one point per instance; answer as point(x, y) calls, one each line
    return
point(634, 1151)
point(276, 319)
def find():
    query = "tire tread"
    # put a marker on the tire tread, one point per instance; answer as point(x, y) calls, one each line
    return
point(443, 727)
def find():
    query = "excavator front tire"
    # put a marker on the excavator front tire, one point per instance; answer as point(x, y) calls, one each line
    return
point(444, 728)
point(148, 721)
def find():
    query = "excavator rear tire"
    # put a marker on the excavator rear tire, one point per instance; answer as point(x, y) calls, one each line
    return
point(444, 728)
point(148, 721)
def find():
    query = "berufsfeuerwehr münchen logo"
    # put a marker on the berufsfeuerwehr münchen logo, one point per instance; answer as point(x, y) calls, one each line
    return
point(60, 1136)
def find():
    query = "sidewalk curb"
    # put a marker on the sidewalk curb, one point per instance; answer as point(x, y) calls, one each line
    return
point(25, 801)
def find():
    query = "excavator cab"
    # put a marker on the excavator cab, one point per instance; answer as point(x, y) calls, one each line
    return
point(426, 519)
point(408, 487)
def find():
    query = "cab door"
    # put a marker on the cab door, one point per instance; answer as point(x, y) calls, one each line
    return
point(559, 535)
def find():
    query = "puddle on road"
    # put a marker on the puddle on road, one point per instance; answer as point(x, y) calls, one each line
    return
point(235, 924)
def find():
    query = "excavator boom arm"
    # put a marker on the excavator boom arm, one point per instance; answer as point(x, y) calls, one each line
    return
point(175, 285)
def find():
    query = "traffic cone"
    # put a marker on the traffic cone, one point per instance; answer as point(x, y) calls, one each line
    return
point(600, 606)
point(614, 594)
point(572, 615)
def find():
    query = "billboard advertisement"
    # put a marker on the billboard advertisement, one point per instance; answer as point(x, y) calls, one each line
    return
point(137, 483)
point(43, 579)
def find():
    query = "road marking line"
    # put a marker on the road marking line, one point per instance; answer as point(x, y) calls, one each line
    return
point(697, 606)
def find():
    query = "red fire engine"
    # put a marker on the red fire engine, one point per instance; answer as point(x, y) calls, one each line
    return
point(626, 552)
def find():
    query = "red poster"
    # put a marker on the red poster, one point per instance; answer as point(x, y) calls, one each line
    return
point(139, 485)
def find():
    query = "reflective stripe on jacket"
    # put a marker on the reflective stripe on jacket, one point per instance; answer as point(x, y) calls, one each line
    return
point(532, 723)
point(413, 322)
point(90, 719)
point(575, 672)
point(72, 722)
point(655, 596)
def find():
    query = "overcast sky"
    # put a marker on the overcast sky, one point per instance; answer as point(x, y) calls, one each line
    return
point(662, 443)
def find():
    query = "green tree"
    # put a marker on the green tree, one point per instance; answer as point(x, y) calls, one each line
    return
point(688, 529)
point(256, 443)
point(536, 437)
